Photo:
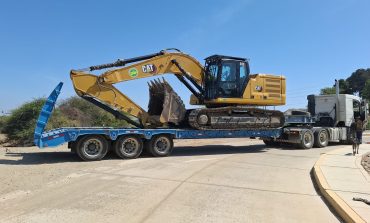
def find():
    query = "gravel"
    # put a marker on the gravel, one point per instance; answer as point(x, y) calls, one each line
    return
point(365, 162)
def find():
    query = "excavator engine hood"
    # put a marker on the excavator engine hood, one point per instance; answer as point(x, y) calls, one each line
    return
point(165, 105)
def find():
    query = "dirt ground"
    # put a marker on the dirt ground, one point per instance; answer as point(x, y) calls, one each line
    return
point(24, 169)
point(365, 162)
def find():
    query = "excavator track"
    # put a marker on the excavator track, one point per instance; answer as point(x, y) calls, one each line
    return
point(235, 118)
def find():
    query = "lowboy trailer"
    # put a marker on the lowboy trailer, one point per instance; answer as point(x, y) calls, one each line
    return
point(93, 143)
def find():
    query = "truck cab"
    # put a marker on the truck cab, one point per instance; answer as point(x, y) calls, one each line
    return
point(337, 111)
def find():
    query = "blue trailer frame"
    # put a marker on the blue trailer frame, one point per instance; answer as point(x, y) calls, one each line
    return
point(60, 136)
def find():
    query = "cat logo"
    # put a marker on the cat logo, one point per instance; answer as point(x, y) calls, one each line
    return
point(149, 68)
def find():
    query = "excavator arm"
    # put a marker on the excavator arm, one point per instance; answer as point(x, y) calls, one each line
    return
point(100, 90)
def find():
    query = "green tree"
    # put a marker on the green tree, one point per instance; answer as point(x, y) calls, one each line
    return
point(366, 90)
point(343, 88)
point(2, 123)
point(357, 80)
point(327, 90)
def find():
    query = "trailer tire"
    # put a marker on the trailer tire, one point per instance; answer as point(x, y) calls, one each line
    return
point(307, 140)
point(128, 147)
point(321, 138)
point(92, 147)
point(160, 145)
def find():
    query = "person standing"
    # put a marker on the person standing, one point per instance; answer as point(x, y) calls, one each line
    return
point(359, 127)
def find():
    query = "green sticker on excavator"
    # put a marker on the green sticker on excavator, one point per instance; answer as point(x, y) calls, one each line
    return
point(133, 72)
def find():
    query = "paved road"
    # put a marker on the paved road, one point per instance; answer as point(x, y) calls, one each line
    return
point(231, 180)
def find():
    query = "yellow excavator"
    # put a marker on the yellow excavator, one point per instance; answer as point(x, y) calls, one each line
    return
point(231, 97)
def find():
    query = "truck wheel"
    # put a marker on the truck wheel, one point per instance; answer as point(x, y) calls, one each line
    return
point(128, 147)
point(160, 145)
point(92, 148)
point(307, 139)
point(321, 138)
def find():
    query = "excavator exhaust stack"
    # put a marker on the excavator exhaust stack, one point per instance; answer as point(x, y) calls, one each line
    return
point(165, 105)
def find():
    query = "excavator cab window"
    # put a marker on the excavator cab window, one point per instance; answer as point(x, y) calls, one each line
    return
point(226, 77)
point(228, 83)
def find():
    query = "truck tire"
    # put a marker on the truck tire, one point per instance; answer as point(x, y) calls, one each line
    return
point(321, 138)
point(307, 139)
point(92, 147)
point(160, 145)
point(128, 147)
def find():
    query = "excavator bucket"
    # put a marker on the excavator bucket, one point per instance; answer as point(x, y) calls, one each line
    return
point(165, 106)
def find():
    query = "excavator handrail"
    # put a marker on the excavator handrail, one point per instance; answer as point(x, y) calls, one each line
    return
point(123, 62)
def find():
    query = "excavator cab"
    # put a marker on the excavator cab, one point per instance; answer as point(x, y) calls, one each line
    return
point(226, 77)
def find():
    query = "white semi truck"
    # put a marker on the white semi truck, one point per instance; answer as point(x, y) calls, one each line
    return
point(329, 118)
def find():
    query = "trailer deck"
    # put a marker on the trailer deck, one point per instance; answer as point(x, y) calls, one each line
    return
point(60, 136)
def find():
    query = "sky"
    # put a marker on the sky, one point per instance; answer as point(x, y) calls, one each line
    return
point(311, 42)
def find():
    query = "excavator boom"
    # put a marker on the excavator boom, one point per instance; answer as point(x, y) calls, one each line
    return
point(100, 90)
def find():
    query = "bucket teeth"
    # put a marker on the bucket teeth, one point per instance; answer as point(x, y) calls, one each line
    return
point(165, 105)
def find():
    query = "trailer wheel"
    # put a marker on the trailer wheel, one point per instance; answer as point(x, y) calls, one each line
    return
point(92, 148)
point(160, 145)
point(128, 147)
point(307, 139)
point(321, 138)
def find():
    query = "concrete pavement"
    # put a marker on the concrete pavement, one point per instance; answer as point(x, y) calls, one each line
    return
point(340, 178)
point(218, 180)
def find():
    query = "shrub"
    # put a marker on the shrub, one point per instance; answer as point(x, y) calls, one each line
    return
point(84, 114)
point(2, 123)
point(20, 124)
point(72, 112)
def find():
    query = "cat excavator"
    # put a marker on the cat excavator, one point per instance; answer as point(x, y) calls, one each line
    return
point(230, 97)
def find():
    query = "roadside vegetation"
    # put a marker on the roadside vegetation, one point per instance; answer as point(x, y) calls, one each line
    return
point(72, 112)
point(2, 123)
point(358, 84)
